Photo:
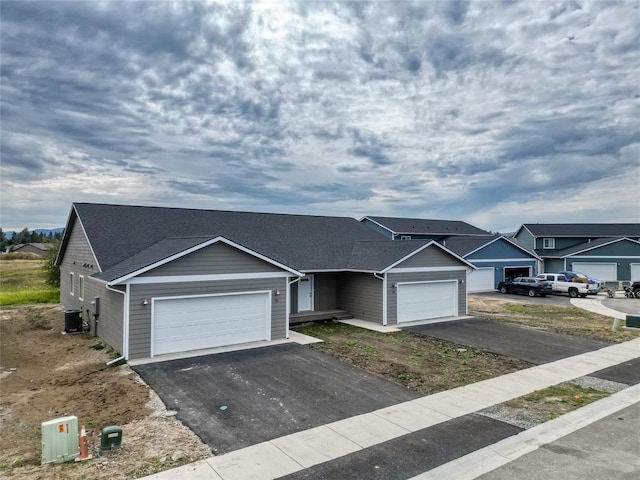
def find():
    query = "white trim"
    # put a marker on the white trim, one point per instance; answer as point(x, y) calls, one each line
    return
point(504, 260)
point(614, 240)
point(429, 269)
point(72, 290)
point(312, 291)
point(206, 295)
point(206, 278)
point(551, 241)
point(127, 309)
point(385, 300)
point(81, 286)
point(197, 247)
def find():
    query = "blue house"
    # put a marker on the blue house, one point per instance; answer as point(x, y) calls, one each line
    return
point(606, 251)
point(496, 257)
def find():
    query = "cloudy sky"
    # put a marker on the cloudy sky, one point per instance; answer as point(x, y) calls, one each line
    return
point(492, 112)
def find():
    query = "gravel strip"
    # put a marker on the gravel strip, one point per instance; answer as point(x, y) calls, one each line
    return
point(600, 384)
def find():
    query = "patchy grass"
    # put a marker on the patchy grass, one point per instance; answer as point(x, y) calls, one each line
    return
point(24, 282)
point(566, 320)
point(423, 364)
point(557, 400)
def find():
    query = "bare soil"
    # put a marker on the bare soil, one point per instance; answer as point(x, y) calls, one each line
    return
point(45, 374)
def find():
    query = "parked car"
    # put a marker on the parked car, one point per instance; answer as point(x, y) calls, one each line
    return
point(526, 285)
point(578, 277)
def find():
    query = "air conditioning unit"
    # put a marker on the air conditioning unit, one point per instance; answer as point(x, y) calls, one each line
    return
point(60, 441)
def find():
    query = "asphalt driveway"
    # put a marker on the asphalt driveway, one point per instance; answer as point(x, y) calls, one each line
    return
point(515, 341)
point(236, 399)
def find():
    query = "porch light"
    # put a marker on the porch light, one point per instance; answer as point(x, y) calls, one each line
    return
point(145, 301)
point(276, 292)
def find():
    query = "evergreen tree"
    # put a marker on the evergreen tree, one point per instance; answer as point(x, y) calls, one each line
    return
point(51, 270)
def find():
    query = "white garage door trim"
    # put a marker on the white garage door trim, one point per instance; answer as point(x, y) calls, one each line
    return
point(427, 300)
point(481, 280)
point(635, 272)
point(607, 272)
point(213, 320)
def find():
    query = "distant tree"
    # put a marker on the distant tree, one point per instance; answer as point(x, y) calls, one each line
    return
point(51, 270)
point(22, 237)
point(4, 241)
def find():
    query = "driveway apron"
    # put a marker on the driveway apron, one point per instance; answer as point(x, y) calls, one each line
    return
point(236, 399)
point(515, 341)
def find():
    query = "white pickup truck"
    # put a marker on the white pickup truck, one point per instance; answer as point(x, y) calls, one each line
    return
point(560, 284)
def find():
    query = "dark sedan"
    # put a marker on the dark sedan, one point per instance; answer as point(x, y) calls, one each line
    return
point(526, 286)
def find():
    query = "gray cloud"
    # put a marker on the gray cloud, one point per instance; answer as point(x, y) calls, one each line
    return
point(436, 109)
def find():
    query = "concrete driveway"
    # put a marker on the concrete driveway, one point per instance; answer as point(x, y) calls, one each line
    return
point(557, 300)
point(236, 399)
point(515, 341)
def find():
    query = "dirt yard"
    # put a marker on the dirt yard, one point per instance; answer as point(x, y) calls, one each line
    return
point(45, 374)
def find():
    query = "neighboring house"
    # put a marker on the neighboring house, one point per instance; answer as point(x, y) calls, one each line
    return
point(495, 257)
point(421, 229)
point(37, 248)
point(606, 251)
point(153, 281)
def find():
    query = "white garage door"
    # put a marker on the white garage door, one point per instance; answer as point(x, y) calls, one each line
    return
point(635, 272)
point(607, 272)
point(480, 280)
point(426, 300)
point(192, 323)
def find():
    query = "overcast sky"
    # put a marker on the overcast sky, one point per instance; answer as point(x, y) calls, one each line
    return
point(493, 112)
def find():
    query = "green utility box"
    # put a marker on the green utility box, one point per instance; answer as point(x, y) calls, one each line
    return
point(110, 439)
point(633, 321)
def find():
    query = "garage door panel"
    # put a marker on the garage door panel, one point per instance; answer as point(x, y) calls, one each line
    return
point(635, 272)
point(481, 280)
point(607, 272)
point(195, 323)
point(426, 300)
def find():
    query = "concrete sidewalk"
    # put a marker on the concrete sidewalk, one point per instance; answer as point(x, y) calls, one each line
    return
point(296, 452)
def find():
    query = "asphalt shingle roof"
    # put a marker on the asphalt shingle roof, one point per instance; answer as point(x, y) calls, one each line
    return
point(125, 238)
point(421, 226)
point(588, 230)
point(598, 242)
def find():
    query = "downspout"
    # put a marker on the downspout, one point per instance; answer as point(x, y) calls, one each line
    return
point(288, 304)
point(124, 325)
point(384, 297)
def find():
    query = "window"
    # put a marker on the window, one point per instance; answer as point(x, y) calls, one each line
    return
point(72, 284)
point(405, 237)
point(548, 243)
point(81, 292)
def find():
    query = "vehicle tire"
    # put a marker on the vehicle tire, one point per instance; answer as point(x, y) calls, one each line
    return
point(532, 292)
point(573, 292)
point(637, 293)
point(503, 289)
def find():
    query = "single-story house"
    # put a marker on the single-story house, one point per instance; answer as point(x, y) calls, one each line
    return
point(495, 257)
point(606, 251)
point(37, 248)
point(153, 281)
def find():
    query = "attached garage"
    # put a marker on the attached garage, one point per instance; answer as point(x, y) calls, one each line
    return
point(481, 280)
point(427, 300)
point(193, 323)
point(607, 272)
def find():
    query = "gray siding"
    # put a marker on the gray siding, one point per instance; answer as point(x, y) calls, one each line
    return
point(361, 295)
point(525, 239)
point(79, 260)
point(553, 265)
point(140, 315)
point(218, 258)
point(431, 256)
point(392, 298)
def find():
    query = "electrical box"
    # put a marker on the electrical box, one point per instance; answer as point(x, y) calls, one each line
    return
point(60, 441)
point(110, 438)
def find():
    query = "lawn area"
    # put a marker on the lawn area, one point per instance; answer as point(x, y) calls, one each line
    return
point(23, 282)
point(426, 365)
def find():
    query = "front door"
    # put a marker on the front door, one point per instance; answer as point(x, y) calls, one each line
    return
point(305, 294)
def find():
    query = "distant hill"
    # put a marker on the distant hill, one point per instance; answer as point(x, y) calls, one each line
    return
point(39, 231)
